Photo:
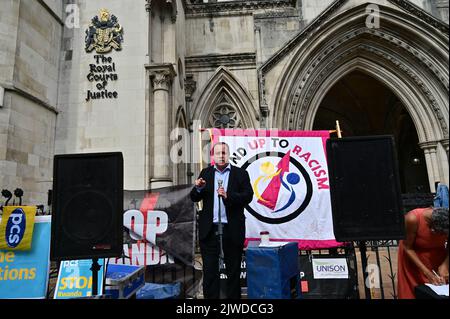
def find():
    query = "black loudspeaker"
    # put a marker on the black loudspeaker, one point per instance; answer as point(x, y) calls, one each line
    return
point(365, 189)
point(87, 214)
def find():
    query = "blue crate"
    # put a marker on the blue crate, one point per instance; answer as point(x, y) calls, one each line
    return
point(273, 272)
point(159, 291)
point(123, 281)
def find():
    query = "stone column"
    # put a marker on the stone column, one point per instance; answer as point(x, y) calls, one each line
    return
point(430, 149)
point(444, 143)
point(189, 88)
point(259, 57)
point(443, 159)
point(161, 76)
point(148, 8)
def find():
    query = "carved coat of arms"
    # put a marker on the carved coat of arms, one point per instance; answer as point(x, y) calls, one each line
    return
point(104, 33)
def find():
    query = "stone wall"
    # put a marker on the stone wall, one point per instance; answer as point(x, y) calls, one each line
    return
point(29, 149)
point(9, 24)
point(29, 64)
point(273, 29)
point(106, 124)
point(440, 9)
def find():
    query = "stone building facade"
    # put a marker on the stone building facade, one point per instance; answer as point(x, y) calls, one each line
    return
point(379, 67)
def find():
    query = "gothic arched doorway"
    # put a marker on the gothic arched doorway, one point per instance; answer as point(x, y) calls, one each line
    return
point(396, 55)
point(364, 106)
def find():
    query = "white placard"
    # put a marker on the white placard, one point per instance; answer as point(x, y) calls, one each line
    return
point(330, 268)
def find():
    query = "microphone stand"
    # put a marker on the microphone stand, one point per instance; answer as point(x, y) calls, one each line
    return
point(221, 254)
point(95, 267)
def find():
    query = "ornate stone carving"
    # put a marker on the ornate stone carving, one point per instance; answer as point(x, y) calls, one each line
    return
point(445, 143)
point(161, 80)
point(189, 86)
point(285, 13)
point(298, 117)
point(161, 75)
point(104, 33)
point(263, 105)
point(311, 28)
point(200, 8)
point(430, 145)
point(148, 6)
point(224, 88)
point(173, 3)
point(423, 15)
point(427, 93)
point(213, 61)
point(224, 115)
point(418, 56)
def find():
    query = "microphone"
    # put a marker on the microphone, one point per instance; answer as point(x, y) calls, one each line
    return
point(220, 182)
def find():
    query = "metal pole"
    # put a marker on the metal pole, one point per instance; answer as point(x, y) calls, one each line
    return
point(338, 130)
point(200, 203)
point(95, 268)
point(362, 250)
point(377, 254)
point(392, 276)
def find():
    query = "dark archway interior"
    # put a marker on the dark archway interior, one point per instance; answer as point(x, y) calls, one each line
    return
point(364, 106)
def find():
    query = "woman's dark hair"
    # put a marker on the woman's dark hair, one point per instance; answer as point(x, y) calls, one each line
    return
point(439, 220)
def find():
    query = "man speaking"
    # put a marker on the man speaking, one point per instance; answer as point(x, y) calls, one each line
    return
point(225, 191)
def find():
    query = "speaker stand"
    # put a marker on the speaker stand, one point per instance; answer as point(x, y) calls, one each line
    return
point(95, 268)
point(362, 250)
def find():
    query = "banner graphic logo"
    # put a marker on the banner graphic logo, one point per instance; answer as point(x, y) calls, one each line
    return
point(16, 229)
point(281, 185)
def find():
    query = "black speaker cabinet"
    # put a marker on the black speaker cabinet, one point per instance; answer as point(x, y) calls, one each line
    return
point(87, 206)
point(365, 189)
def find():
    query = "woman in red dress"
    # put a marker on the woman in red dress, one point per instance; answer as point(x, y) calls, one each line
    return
point(423, 255)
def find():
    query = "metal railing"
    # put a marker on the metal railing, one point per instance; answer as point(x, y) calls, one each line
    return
point(381, 280)
point(382, 269)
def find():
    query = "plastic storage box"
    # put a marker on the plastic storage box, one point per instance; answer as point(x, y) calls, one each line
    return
point(159, 291)
point(123, 281)
point(273, 272)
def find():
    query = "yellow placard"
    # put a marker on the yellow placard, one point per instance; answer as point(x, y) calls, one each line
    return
point(16, 227)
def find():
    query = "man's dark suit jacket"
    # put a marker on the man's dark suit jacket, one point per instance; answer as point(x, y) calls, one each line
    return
point(239, 194)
